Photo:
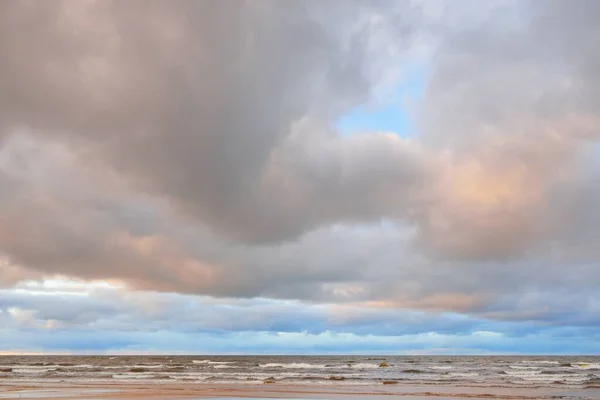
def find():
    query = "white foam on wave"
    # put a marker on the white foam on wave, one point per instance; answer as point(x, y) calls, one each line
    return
point(210, 362)
point(539, 362)
point(49, 367)
point(586, 365)
point(364, 366)
point(439, 367)
point(146, 366)
point(297, 376)
point(294, 365)
point(523, 367)
point(523, 372)
point(32, 370)
point(320, 366)
point(463, 374)
point(569, 378)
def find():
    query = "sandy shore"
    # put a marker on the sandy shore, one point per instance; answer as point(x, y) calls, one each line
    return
point(202, 391)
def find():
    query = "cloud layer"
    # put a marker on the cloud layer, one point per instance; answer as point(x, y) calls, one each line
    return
point(189, 147)
point(61, 316)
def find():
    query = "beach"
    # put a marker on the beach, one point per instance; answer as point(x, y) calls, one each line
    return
point(280, 391)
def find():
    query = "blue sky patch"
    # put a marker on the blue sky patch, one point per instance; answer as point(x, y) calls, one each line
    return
point(393, 115)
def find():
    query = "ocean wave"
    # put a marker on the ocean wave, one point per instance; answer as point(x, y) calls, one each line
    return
point(558, 372)
point(463, 374)
point(294, 366)
point(586, 365)
point(548, 362)
point(146, 366)
point(365, 366)
point(523, 372)
point(49, 366)
point(210, 362)
point(593, 383)
point(138, 370)
point(74, 370)
point(253, 377)
point(133, 375)
point(31, 370)
point(174, 369)
point(569, 378)
point(224, 366)
point(347, 370)
point(355, 365)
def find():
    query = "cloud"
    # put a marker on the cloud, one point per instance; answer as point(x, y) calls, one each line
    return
point(95, 232)
point(217, 128)
point(190, 147)
point(510, 101)
point(63, 315)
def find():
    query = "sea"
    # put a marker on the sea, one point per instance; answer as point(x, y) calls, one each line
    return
point(478, 371)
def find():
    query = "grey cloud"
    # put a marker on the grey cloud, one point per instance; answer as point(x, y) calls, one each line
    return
point(95, 234)
point(187, 146)
point(234, 133)
point(116, 310)
point(115, 320)
point(218, 111)
point(511, 101)
point(188, 100)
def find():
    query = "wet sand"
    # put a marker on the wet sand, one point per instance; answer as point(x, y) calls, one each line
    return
point(277, 391)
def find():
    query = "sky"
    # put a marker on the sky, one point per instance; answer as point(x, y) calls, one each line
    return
point(274, 177)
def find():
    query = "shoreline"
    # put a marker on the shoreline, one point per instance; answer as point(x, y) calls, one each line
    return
point(161, 391)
